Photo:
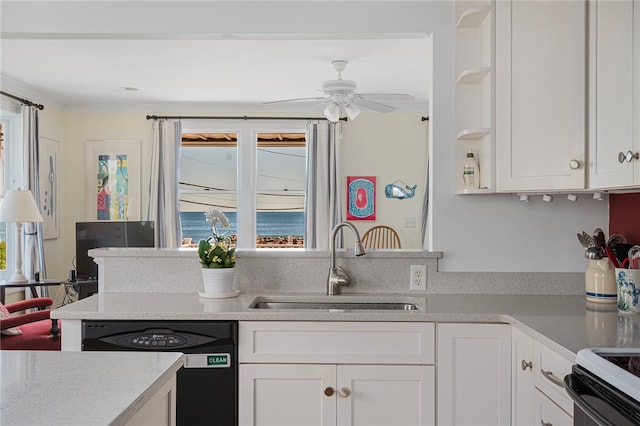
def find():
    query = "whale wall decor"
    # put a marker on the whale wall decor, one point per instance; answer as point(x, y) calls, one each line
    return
point(394, 191)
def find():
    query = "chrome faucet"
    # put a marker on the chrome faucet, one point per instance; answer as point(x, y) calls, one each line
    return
point(338, 277)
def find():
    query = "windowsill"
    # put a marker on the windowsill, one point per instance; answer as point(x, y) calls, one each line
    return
point(262, 252)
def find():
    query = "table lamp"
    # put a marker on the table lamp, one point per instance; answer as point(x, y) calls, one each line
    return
point(18, 207)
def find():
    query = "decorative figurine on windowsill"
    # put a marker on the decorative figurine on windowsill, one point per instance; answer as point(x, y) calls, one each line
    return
point(394, 191)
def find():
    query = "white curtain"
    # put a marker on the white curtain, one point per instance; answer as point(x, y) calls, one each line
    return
point(33, 260)
point(323, 209)
point(425, 210)
point(164, 203)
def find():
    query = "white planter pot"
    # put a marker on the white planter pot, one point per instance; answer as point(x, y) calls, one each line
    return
point(218, 282)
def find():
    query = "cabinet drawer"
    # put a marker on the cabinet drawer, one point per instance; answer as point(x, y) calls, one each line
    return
point(548, 413)
point(336, 342)
point(550, 370)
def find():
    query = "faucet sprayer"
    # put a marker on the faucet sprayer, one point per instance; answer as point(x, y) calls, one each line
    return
point(338, 276)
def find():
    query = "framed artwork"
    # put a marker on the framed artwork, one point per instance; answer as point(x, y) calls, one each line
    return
point(49, 151)
point(113, 179)
point(361, 198)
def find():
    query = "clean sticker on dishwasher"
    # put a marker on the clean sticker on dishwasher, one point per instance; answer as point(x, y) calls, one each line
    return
point(207, 360)
point(218, 360)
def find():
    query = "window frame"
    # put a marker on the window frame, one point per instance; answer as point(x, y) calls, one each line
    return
point(13, 176)
point(247, 166)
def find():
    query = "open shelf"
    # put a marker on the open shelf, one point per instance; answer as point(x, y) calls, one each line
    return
point(474, 57)
point(474, 191)
point(472, 18)
point(473, 75)
point(473, 134)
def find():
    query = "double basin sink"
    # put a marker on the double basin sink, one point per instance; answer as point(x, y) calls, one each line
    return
point(336, 303)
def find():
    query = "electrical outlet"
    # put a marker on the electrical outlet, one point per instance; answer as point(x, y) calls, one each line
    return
point(418, 278)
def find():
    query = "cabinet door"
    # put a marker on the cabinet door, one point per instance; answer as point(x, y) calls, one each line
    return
point(474, 374)
point(540, 95)
point(611, 102)
point(286, 394)
point(548, 413)
point(370, 395)
point(523, 379)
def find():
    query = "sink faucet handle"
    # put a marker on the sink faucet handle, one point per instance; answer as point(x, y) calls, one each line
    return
point(338, 277)
point(343, 279)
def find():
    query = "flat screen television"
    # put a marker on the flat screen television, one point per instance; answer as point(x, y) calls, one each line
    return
point(90, 235)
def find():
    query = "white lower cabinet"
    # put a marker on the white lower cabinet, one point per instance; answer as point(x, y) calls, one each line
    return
point(160, 409)
point(300, 394)
point(538, 395)
point(336, 373)
point(287, 394)
point(550, 369)
point(376, 373)
point(522, 379)
point(547, 413)
point(474, 374)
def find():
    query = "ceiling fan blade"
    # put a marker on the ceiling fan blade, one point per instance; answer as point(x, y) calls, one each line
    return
point(374, 106)
point(296, 100)
point(387, 97)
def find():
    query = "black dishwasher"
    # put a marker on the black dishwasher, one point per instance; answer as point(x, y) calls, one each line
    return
point(207, 385)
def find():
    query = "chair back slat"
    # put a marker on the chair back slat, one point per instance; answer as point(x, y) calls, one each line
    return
point(381, 237)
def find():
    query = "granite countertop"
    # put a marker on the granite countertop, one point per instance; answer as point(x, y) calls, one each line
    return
point(80, 388)
point(564, 323)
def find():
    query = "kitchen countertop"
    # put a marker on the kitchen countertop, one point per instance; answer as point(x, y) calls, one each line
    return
point(80, 388)
point(564, 323)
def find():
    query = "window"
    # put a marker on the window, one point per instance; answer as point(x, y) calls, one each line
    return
point(3, 226)
point(254, 172)
point(10, 177)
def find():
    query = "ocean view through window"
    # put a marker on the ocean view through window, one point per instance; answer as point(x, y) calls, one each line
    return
point(271, 227)
point(272, 162)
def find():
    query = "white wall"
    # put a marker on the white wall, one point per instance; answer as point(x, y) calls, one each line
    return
point(51, 126)
point(83, 126)
point(488, 233)
point(390, 147)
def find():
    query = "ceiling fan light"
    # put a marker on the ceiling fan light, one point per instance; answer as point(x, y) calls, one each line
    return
point(332, 112)
point(352, 111)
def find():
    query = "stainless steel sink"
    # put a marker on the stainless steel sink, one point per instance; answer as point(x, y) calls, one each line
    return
point(337, 305)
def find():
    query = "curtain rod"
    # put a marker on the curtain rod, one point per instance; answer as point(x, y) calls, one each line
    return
point(244, 117)
point(24, 101)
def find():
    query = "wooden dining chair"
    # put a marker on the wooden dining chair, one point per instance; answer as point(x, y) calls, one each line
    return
point(381, 237)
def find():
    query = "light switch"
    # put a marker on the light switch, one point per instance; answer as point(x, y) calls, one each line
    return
point(410, 222)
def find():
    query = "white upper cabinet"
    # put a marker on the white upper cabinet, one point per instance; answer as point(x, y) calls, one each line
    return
point(614, 94)
point(540, 131)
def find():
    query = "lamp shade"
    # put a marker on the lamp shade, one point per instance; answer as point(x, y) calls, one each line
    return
point(332, 112)
point(19, 206)
point(352, 111)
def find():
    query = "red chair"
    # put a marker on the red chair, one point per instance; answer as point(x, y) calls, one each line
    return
point(39, 330)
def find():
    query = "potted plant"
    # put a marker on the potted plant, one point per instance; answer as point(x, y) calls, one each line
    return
point(217, 257)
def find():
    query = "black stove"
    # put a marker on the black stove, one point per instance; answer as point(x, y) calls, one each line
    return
point(605, 387)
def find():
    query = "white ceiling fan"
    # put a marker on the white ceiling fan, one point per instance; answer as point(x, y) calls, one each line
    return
point(340, 95)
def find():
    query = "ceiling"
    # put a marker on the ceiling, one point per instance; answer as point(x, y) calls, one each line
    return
point(235, 74)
